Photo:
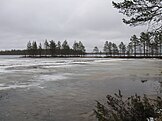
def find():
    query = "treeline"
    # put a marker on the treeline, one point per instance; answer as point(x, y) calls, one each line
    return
point(147, 44)
point(53, 49)
point(13, 52)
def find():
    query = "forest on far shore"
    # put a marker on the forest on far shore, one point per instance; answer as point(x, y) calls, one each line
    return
point(146, 45)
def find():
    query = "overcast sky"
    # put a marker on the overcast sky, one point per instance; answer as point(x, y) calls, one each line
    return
point(90, 21)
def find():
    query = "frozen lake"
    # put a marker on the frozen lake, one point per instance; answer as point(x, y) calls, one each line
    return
point(65, 89)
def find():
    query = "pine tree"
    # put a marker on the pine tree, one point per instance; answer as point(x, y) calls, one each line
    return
point(81, 47)
point(130, 48)
point(65, 48)
point(122, 48)
point(40, 49)
point(115, 49)
point(75, 46)
point(106, 47)
point(58, 47)
point(142, 12)
point(29, 48)
point(46, 47)
point(52, 48)
point(34, 48)
point(134, 41)
point(110, 48)
point(145, 40)
point(95, 50)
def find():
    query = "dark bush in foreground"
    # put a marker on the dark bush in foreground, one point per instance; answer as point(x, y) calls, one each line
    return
point(134, 108)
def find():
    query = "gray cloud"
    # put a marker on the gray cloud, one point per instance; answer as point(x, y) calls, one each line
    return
point(91, 21)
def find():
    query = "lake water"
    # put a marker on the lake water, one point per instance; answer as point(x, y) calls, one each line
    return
point(65, 89)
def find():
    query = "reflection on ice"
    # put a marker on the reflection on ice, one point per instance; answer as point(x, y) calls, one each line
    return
point(36, 82)
point(45, 78)
point(28, 65)
point(17, 85)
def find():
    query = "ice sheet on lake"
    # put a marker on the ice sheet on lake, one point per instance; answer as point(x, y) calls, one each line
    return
point(42, 70)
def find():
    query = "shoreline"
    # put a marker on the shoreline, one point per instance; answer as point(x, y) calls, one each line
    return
point(123, 57)
point(89, 56)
